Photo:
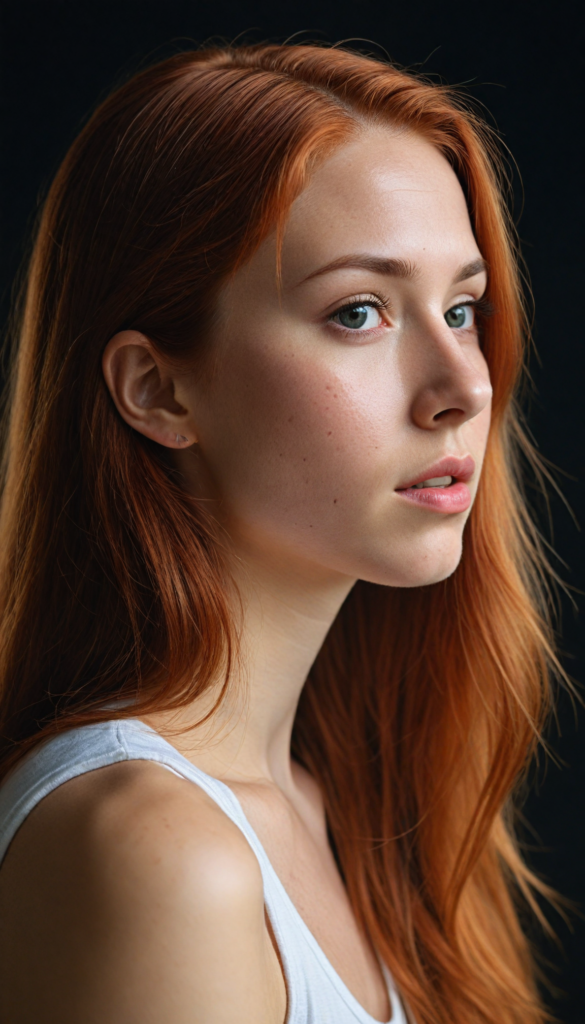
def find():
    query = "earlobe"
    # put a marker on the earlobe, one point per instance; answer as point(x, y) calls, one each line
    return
point(143, 390)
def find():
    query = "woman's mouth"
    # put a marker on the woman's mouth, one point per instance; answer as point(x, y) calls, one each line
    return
point(438, 481)
point(443, 488)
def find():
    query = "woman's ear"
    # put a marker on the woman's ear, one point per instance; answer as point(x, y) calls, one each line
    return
point(143, 390)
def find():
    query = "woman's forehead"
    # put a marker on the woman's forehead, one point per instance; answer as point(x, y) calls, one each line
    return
point(379, 182)
point(383, 196)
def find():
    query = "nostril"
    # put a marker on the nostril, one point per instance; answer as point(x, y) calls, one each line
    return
point(448, 412)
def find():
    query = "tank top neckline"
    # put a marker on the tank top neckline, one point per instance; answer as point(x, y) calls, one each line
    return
point(239, 818)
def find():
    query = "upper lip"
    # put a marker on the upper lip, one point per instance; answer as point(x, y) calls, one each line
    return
point(452, 465)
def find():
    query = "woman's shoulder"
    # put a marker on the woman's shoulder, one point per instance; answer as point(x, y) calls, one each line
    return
point(134, 875)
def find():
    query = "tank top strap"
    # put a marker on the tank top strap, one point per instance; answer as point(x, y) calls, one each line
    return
point(143, 743)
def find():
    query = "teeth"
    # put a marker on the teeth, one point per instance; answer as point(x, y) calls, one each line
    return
point(437, 481)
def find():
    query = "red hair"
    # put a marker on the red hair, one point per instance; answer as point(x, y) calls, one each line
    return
point(424, 706)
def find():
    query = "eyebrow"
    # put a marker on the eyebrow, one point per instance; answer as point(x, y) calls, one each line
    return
point(392, 267)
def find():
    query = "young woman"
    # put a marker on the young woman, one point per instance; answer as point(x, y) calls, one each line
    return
point(269, 347)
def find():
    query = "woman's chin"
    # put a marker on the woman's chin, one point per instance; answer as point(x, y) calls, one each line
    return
point(418, 567)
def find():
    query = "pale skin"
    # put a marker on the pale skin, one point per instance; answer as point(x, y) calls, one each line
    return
point(127, 894)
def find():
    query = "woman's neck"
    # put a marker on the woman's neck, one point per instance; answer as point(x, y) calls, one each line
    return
point(287, 610)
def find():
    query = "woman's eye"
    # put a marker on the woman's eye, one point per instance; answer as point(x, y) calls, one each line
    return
point(460, 316)
point(359, 317)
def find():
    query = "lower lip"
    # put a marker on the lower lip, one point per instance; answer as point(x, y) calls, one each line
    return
point(455, 498)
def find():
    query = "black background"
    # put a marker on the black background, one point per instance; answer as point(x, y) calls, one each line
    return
point(524, 63)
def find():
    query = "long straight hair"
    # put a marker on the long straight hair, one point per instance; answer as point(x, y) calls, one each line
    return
point(424, 706)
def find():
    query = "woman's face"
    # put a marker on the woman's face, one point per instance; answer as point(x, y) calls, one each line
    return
point(362, 376)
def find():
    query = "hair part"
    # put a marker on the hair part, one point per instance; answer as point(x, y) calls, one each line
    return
point(424, 706)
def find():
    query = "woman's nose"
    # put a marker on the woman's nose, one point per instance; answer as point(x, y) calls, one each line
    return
point(450, 377)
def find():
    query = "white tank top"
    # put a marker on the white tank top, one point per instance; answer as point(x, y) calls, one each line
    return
point(316, 993)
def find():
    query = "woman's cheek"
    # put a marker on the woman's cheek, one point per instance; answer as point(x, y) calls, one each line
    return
point(316, 439)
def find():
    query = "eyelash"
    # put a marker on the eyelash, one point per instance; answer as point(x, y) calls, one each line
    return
point(482, 306)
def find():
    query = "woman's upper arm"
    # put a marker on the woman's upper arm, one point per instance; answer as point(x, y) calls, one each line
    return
point(128, 897)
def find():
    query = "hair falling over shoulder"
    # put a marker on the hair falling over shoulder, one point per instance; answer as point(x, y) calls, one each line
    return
point(425, 706)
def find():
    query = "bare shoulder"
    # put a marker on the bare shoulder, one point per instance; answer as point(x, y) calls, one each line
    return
point(130, 896)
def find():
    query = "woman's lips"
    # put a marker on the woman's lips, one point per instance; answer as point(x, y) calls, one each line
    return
point(455, 497)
